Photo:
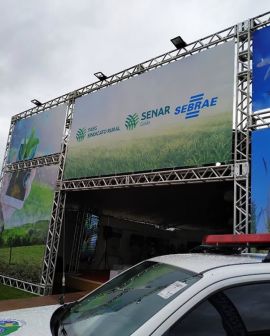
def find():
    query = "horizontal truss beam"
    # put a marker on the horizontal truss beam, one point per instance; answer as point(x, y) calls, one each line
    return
point(260, 120)
point(192, 48)
point(175, 176)
point(23, 285)
point(37, 162)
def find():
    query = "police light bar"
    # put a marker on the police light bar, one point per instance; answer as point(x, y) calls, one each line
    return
point(257, 239)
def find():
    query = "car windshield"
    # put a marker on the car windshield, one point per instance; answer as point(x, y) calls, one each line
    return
point(126, 302)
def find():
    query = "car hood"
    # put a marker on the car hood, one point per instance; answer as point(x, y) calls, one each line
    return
point(30, 321)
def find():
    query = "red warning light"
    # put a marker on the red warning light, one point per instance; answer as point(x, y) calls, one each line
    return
point(238, 239)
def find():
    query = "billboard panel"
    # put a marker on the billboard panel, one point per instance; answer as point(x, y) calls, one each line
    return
point(25, 210)
point(260, 181)
point(261, 69)
point(177, 115)
point(38, 135)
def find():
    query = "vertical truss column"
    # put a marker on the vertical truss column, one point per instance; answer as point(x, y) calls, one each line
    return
point(242, 122)
point(11, 128)
point(54, 232)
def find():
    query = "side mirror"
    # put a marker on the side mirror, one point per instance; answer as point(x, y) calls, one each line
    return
point(57, 317)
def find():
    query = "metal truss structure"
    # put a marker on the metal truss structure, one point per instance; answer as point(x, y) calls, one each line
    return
point(54, 232)
point(23, 285)
point(242, 121)
point(245, 120)
point(167, 177)
point(48, 160)
point(260, 120)
point(192, 48)
point(237, 171)
point(6, 153)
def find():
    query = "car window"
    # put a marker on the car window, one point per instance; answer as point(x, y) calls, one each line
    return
point(204, 320)
point(253, 304)
point(241, 310)
point(126, 302)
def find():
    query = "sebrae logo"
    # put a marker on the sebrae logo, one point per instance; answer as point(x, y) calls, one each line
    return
point(9, 326)
point(195, 105)
point(80, 135)
point(189, 110)
point(131, 121)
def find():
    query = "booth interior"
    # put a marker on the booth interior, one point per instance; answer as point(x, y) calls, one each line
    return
point(107, 231)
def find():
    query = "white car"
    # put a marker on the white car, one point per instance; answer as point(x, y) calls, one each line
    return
point(184, 294)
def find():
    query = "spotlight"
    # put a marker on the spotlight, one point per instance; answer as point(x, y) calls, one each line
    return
point(36, 102)
point(100, 75)
point(140, 68)
point(178, 42)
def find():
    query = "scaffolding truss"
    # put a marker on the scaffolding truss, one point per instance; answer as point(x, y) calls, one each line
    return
point(11, 128)
point(171, 56)
point(23, 285)
point(48, 160)
point(242, 122)
point(168, 177)
point(54, 232)
point(237, 171)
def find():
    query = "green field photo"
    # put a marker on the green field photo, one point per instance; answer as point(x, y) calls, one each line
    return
point(23, 240)
point(22, 262)
point(206, 140)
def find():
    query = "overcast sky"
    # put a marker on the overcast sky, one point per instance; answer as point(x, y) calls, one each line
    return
point(51, 47)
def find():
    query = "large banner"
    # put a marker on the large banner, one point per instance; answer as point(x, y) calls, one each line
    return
point(26, 203)
point(38, 135)
point(261, 69)
point(177, 115)
point(260, 181)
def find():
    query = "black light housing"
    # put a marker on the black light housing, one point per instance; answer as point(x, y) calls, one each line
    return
point(178, 42)
point(36, 102)
point(100, 75)
point(140, 68)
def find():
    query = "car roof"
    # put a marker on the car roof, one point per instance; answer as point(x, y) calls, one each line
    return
point(202, 262)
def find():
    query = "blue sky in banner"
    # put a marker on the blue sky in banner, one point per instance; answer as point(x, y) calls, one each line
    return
point(260, 179)
point(261, 69)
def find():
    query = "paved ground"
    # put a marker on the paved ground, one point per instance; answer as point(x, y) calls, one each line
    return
point(38, 301)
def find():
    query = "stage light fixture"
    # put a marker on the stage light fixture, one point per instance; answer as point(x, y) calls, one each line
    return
point(178, 42)
point(36, 102)
point(100, 75)
point(140, 68)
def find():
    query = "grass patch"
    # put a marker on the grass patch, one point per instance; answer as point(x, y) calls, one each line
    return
point(24, 235)
point(8, 293)
point(26, 262)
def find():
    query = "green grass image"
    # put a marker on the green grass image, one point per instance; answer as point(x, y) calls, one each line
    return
point(207, 141)
point(36, 207)
point(25, 235)
point(7, 293)
point(25, 263)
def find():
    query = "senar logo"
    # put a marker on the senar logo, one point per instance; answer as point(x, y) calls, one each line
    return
point(131, 121)
point(80, 135)
point(8, 327)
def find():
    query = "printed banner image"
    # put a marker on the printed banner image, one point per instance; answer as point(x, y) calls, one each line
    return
point(30, 136)
point(175, 116)
point(261, 69)
point(25, 210)
point(260, 181)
